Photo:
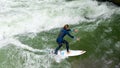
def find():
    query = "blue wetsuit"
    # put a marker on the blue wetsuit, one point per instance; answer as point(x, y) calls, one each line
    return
point(60, 39)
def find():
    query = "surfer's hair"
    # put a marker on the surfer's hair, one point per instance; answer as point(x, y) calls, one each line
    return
point(66, 26)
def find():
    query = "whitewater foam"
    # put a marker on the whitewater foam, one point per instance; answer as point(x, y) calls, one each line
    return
point(18, 21)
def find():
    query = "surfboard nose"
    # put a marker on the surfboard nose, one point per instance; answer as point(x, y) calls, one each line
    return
point(82, 51)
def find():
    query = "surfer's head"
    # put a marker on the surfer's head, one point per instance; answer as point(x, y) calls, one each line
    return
point(66, 27)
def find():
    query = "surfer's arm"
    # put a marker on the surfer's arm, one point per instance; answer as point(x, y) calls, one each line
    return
point(70, 35)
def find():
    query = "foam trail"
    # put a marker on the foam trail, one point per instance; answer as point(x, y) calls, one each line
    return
point(18, 44)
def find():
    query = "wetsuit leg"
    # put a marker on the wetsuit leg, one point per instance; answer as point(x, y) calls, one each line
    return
point(67, 45)
point(59, 46)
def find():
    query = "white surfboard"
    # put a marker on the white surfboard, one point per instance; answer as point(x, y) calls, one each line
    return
point(63, 54)
point(71, 53)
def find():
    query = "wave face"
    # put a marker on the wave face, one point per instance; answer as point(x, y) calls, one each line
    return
point(28, 30)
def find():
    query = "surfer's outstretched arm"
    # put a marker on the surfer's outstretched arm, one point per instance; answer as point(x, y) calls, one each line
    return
point(70, 35)
point(76, 38)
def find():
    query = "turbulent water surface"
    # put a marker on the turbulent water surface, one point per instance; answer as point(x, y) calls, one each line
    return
point(28, 29)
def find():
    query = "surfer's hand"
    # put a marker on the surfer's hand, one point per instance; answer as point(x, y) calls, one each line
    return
point(78, 39)
point(76, 30)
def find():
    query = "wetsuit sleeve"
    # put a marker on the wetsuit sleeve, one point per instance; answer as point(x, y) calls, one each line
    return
point(70, 35)
point(70, 30)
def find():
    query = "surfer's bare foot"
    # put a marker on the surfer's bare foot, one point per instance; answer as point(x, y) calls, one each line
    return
point(68, 52)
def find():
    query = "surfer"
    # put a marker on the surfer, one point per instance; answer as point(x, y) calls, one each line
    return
point(60, 39)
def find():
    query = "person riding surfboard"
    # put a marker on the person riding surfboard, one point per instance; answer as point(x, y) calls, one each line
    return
point(60, 39)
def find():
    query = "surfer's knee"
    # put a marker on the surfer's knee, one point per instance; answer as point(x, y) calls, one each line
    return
point(66, 42)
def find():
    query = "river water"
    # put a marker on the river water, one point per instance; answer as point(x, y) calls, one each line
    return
point(28, 29)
